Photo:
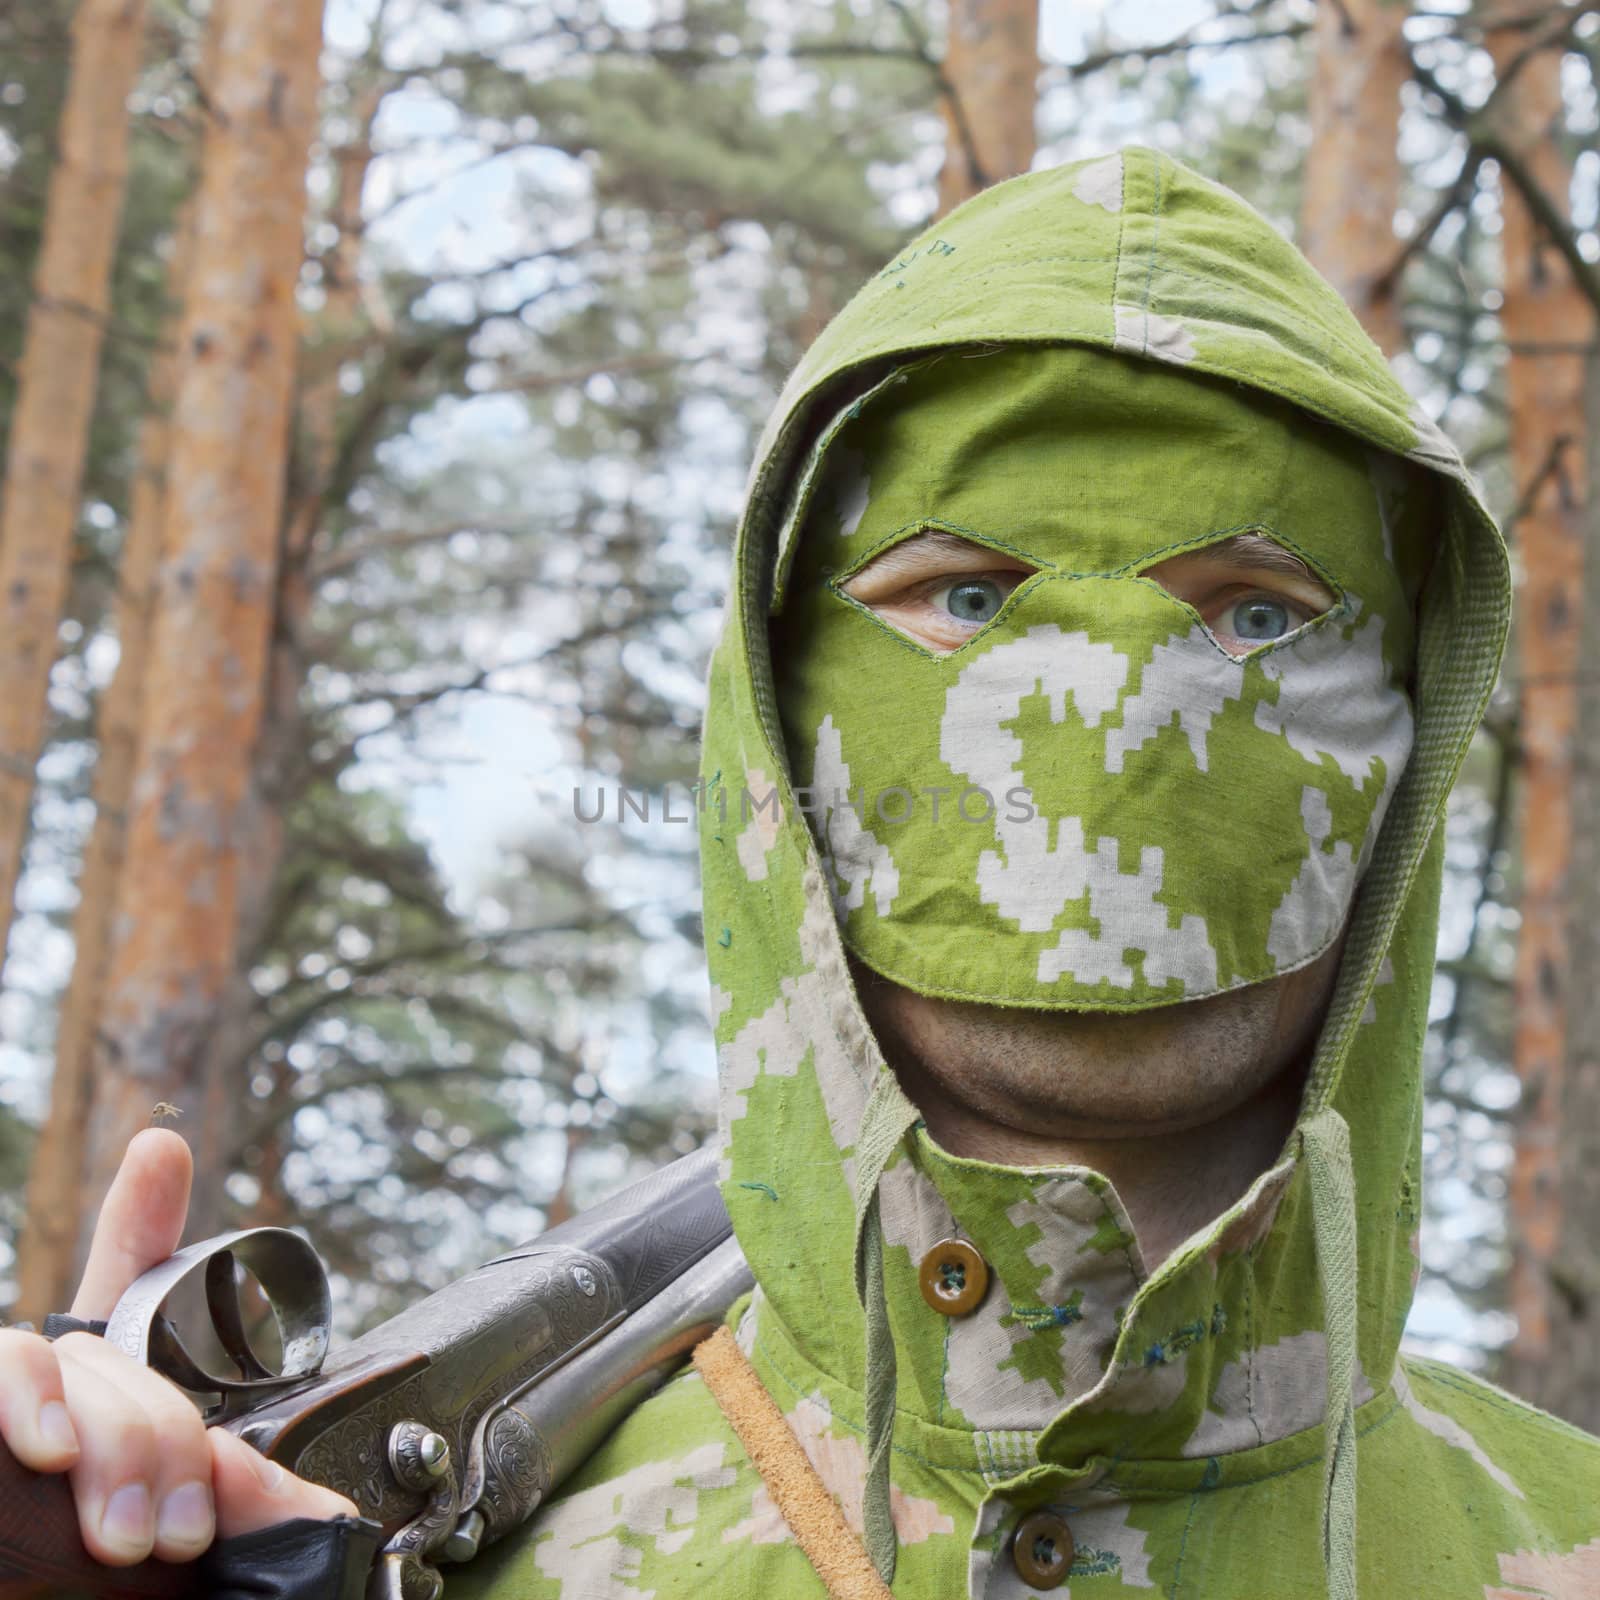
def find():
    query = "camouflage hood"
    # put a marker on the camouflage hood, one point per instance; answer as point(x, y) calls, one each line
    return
point(1288, 1309)
point(1093, 1424)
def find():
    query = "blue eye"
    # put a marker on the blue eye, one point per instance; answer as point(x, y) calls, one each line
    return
point(1258, 618)
point(971, 600)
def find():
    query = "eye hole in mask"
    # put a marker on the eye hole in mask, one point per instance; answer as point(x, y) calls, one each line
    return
point(938, 589)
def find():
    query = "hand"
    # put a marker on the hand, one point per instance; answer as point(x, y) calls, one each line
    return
point(147, 1476)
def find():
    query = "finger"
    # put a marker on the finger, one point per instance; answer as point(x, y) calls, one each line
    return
point(116, 1468)
point(254, 1493)
point(141, 1220)
point(34, 1420)
point(180, 1488)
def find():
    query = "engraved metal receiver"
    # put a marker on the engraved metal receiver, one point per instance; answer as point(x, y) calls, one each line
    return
point(450, 1423)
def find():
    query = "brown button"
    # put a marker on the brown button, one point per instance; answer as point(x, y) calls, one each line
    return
point(954, 1277)
point(1042, 1549)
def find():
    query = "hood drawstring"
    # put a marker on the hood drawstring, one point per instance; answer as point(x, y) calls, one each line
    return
point(1325, 1141)
point(806, 1503)
point(887, 1118)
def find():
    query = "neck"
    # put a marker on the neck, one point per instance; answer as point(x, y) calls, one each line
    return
point(1171, 1183)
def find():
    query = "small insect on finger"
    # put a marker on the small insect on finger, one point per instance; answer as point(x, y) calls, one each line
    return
point(163, 1110)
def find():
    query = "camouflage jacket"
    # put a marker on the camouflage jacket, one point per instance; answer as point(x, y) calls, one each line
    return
point(1176, 1421)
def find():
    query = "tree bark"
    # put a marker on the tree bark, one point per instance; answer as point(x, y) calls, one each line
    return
point(53, 1218)
point(1352, 172)
point(48, 1264)
point(990, 90)
point(193, 816)
point(330, 338)
point(1554, 1358)
point(55, 398)
point(1573, 1386)
point(560, 1208)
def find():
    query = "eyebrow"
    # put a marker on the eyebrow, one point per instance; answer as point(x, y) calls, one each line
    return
point(939, 542)
point(1256, 551)
point(929, 542)
point(1253, 552)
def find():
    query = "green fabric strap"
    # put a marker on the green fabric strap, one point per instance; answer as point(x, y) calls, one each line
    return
point(1326, 1143)
point(883, 1124)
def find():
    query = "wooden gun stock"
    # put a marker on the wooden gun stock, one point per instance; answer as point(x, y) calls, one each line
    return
point(41, 1553)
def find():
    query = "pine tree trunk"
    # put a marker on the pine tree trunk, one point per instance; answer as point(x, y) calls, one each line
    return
point(1574, 1385)
point(991, 89)
point(55, 398)
point(192, 824)
point(1547, 321)
point(1352, 172)
point(56, 1199)
point(331, 338)
point(560, 1208)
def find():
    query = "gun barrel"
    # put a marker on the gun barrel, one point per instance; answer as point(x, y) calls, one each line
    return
point(449, 1362)
point(573, 1409)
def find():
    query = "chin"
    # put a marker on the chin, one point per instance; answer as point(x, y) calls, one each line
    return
point(1120, 1097)
point(1081, 1075)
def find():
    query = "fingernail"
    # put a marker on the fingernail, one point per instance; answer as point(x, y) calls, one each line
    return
point(126, 1523)
point(186, 1516)
point(269, 1472)
point(56, 1432)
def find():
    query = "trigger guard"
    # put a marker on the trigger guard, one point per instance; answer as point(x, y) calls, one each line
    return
point(291, 1276)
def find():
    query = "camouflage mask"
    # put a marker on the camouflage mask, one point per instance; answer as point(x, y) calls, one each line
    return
point(1091, 802)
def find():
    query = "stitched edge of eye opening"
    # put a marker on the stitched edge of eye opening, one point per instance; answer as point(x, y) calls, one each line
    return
point(1140, 564)
point(1130, 572)
point(910, 530)
point(1341, 609)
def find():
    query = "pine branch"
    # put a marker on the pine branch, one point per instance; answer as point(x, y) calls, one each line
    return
point(1480, 125)
point(947, 92)
point(1457, 195)
point(1549, 216)
point(376, 1078)
point(408, 704)
point(1182, 44)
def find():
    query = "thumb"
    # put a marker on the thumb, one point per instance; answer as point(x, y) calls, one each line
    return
point(252, 1492)
point(141, 1220)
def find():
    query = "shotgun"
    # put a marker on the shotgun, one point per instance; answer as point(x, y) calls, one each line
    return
point(448, 1424)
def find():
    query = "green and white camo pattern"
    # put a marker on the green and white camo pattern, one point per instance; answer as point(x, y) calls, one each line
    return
point(1090, 803)
point(1174, 1417)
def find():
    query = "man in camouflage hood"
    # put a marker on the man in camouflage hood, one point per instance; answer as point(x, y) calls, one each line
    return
point(1107, 631)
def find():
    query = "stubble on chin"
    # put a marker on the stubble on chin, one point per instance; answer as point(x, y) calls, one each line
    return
point(1077, 1075)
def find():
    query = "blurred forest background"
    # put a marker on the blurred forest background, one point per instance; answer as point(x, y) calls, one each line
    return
point(378, 382)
